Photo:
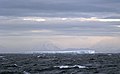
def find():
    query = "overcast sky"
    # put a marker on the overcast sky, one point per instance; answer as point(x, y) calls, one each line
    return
point(93, 24)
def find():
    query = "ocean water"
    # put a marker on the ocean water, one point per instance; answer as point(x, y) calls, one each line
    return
point(59, 63)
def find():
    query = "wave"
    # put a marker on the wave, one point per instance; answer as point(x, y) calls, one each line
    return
point(1, 56)
point(68, 67)
point(24, 72)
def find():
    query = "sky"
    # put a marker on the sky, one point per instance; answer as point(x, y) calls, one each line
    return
point(26, 25)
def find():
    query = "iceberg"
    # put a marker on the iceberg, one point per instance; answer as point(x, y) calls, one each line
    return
point(64, 52)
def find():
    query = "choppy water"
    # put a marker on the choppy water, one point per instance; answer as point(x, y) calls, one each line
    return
point(60, 64)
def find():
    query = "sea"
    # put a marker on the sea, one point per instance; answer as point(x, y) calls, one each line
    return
point(60, 63)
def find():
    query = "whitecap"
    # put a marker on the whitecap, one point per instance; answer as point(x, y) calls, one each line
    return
point(1, 56)
point(39, 56)
point(15, 65)
point(66, 66)
point(79, 66)
point(24, 72)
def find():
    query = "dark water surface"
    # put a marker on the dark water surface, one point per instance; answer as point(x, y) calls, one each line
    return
point(60, 64)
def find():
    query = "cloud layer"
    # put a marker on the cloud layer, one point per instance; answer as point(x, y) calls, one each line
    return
point(57, 8)
point(46, 26)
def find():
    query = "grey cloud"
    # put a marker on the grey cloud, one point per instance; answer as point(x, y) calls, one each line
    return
point(63, 8)
point(54, 8)
point(66, 28)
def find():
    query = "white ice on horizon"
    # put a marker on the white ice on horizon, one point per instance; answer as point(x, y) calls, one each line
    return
point(66, 66)
point(74, 52)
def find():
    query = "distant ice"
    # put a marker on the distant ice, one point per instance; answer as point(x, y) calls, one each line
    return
point(66, 66)
point(70, 52)
point(109, 54)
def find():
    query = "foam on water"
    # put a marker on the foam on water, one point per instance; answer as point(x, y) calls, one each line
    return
point(15, 65)
point(24, 72)
point(66, 66)
point(1, 56)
